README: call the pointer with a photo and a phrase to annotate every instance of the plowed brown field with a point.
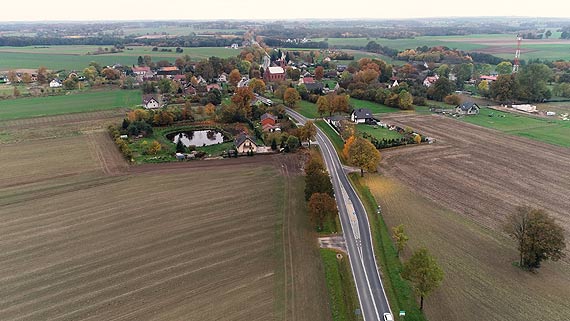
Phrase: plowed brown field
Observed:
(453, 196)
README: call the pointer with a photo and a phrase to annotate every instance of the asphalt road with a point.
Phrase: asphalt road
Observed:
(356, 230)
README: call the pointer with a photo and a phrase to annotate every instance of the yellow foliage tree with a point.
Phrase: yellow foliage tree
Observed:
(364, 155)
(347, 145)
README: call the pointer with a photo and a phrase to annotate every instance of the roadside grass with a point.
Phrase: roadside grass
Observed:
(337, 141)
(375, 108)
(340, 286)
(378, 132)
(400, 294)
(73, 103)
(553, 131)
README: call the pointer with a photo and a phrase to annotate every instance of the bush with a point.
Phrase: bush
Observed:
(452, 100)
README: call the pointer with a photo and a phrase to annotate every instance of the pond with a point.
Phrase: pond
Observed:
(197, 138)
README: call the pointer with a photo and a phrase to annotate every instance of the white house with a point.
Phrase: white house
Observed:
(361, 116)
(56, 83)
(149, 102)
(244, 143)
(467, 108)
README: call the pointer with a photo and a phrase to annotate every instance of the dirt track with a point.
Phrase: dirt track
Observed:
(479, 172)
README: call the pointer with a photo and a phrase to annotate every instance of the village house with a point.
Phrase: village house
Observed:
(150, 102)
(488, 78)
(56, 83)
(306, 80)
(244, 143)
(430, 80)
(223, 78)
(274, 74)
(467, 108)
(361, 116)
(168, 72)
(315, 87)
(213, 86)
(268, 119)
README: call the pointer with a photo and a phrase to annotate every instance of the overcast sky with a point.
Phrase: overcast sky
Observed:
(41, 10)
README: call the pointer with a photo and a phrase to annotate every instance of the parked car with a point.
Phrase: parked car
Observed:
(388, 317)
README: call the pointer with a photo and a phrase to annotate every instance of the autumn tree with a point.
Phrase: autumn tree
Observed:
(319, 72)
(345, 150)
(90, 73)
(257, 85)
(26, 78)
(441, 88)
(537, 235)
(323, 105)
(339, 103)
(308, 132)
(210, 109)
(322, 209)
(452, 99)
(280, 92)
(153, 148)
(242, 99)
(165, 85)
(42, 75)
(163, 118)
(291, 97)
(110, 74)
(363, 155)
(483, 88)
(12, 77)
(234, 77)
(400, 238)
(424, 274)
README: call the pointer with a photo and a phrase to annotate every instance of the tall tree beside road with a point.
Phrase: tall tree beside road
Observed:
(400, 237)
(257, 85)
(322, 208)
(317, 179)
(537, 235)
(308, 132)
(241, 100)
(291, 97)
(363, 155)
(323, 105)
(423, 272)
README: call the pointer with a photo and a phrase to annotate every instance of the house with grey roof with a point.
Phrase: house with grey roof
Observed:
(245, 143)
(467, 108)
(361, 116)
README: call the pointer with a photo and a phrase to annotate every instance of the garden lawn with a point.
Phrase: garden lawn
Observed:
(307, 109)
(375, 108)
(554, 132)
(217, 149)
(378, 132)
(75, 102)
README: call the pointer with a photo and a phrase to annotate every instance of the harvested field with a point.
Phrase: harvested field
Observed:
(83, 236)
(480, 282)
(482, 173)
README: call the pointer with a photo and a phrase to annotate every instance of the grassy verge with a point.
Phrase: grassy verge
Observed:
(340, 286)
(333, 136)
(399, 292)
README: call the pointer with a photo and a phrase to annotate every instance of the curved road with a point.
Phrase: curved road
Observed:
(356, 231)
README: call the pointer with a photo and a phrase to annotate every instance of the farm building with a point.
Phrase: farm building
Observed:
(488, 78)
(525, 107)
(150, 102)
(361, 116)
(168, 72)
(274, 74)
(430, 80)
(268, 119)
(56, 83)
(467, 108)
(244, 143)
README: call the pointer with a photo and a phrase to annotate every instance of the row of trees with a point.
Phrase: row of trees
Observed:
(319, 192)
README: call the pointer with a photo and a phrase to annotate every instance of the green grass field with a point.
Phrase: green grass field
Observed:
(378, 132)
(72, 103)
(554, 132)
(76, 58)
(307, 109)
(400, 44)
(375, 108)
